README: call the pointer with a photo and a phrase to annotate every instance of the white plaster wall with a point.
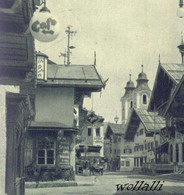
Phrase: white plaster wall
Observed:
(3, 139)
(55, 105)
(101, 137)
(140, 140)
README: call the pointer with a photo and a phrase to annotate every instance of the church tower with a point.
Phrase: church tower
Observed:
(142, 92)
(127, 100)
(135, 97)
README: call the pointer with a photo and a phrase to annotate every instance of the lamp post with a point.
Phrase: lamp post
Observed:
(180, 11)
(116, 118)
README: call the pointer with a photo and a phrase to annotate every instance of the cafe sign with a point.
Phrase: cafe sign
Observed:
(44, 26)
(41, 66)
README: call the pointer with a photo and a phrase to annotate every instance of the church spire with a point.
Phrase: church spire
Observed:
(130, 77)
(142, 78)
(181, 47)
(130, 85)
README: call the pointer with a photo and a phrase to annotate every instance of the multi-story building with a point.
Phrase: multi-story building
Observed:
(50, 143)
(114, 134)
(167, 100)
(16, 91)
(142, 131)
(134, 97)
(91, 147)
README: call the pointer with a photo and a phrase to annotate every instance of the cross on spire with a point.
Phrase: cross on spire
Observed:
(130, 76)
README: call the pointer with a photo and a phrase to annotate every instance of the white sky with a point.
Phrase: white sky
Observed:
(124, 33)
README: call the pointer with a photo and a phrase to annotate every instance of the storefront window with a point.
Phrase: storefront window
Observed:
(45, 153)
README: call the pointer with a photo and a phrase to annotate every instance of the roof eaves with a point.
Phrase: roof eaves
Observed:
(174, 95)
(154, 87)
(169, 75)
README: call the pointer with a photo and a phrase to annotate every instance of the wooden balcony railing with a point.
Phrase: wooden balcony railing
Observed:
(16, 50)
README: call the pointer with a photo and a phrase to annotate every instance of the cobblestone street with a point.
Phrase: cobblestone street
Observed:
(104, 185)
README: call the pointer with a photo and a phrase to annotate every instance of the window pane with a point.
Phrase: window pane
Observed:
(41, 161)
(50, 153)
(98, 132)
(50, 161)
(127, 163)
(41, 153)
(89, 131)
(144, 99)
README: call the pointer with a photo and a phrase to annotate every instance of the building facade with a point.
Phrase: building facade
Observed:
(142, 131)
(114, 141)
(167, 98)
(134, 97)
(50, 143)
(91, 147)
(16, 91)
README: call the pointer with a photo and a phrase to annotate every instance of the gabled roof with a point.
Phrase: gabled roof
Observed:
(163, 85)
(151, 121)
(174, 95)
(174, 71)
(73, 75)
(116, 128)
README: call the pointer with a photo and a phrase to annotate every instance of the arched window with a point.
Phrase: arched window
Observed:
(171, 153)
(177, 153)
(144, 99)
(131, 104)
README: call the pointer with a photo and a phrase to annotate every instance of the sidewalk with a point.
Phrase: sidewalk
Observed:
(50, 184)
(79, 181)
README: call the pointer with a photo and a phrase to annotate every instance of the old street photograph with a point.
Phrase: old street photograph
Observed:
(91, 97)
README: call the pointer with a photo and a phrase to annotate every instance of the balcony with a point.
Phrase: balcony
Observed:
(97, 139)
(16, 51)
(149, 167)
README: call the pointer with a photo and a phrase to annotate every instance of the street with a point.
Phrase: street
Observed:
(104, 185)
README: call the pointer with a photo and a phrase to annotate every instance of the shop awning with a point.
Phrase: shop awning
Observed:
(51, 126)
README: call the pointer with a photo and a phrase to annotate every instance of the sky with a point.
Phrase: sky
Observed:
(125, 34)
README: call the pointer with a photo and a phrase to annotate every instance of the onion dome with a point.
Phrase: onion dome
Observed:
(142, 76)
(142, 81)
(130, 84)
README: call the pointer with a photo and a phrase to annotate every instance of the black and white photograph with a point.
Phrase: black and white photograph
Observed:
(91, 97)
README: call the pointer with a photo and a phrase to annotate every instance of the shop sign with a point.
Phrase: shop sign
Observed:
(41, 71)
(44, 26)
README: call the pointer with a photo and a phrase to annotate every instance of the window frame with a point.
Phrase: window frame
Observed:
(127, 163)
(46, 154)
(144, 99)
(98, 134)
(89, 128)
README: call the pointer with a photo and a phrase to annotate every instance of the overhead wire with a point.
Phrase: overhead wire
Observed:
(55, 43)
